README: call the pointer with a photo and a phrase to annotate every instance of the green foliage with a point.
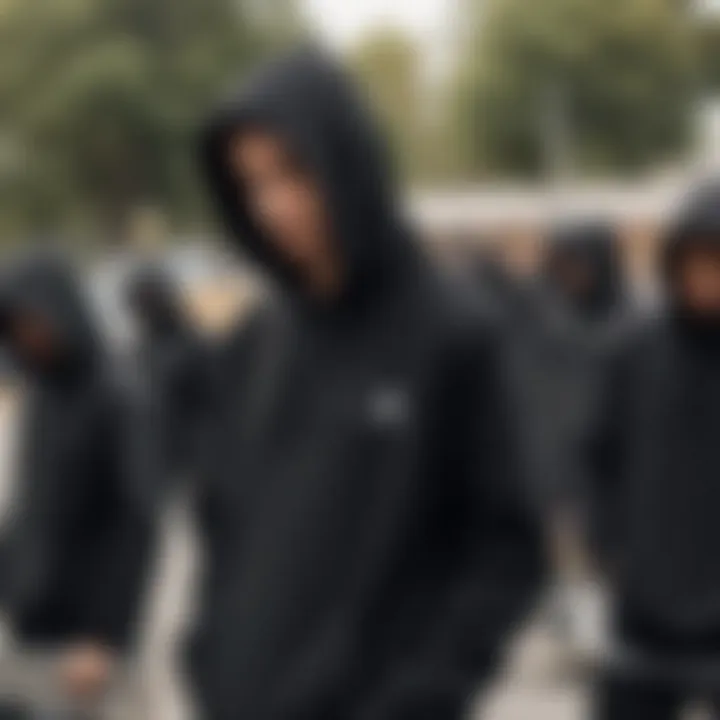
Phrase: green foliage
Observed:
(612, 81)
(708, 33)
(99, 102)
(387, 66)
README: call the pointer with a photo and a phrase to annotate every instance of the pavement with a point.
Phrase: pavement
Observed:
(541, 683)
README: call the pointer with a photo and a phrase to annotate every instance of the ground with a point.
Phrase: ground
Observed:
(540, 684)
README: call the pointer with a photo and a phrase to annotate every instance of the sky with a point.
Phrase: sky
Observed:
(343, 22)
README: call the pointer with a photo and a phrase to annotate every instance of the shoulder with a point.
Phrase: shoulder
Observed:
(469, 332)
(633, 350)
(249, 327)
(469, 324)
(268, 318)
(644, 333)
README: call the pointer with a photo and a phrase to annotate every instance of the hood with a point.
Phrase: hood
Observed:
(594, 244)
(48, 286)
(156, 303)
(697, 225)
(309, 102)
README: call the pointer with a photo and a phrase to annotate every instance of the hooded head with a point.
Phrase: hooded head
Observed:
(305, 102)
(44, 319)
(155, 303)
(583, 265)
(691, 259)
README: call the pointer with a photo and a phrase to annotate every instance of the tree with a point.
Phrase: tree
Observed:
(100, 100)
(609, 84)
(708, 33)
(387, 65)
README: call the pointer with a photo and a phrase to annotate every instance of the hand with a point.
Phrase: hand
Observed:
(86, 671)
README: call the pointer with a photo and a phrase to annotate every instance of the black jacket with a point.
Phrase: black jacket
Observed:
(70, 551)
(560, 355)
(657, 464)
(367, 549)
(173, 380)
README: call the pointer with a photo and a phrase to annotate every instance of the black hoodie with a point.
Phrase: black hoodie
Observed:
(71, 549)
(657, 461)
(560, 356)
(367, 551)
(174, 378)
(593, 246)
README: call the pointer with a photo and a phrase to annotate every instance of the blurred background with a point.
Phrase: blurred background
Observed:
(504, 116)
(503, 113)
(99, 100)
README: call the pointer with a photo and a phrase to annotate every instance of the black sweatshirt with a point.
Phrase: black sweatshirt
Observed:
(173, 382)
(657, 463)
(367, 551)
(560, 354)
(71, 552)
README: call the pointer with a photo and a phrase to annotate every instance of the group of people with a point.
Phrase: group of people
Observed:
(78, 523)
(372, 452)
(619, 422)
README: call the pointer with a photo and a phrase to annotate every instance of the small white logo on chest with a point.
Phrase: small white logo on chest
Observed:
(388, 406)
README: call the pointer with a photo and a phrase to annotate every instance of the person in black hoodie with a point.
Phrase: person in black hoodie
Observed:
(174, 377)
(72, 546)
(367, 551)
(577, 311)
(655, 456)
(587, 313)
(582, 267)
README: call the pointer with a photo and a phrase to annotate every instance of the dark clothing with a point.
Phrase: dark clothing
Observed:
(590, 248)
(496, 286)
(657, 464)
(13, 712)
(70, 550)
(559, 354)
(367, 551)
(623, 698)
(173, 382)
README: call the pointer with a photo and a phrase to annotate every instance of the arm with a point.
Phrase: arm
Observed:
(194, 400)
(606, 456)
(120, 529)
(116, 591)
(496, 581)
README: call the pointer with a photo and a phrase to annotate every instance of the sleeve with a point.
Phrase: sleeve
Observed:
(17, 524)
(126, 543)
(195, 396)
(502, 558)
(227, 368)
(606, 455)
